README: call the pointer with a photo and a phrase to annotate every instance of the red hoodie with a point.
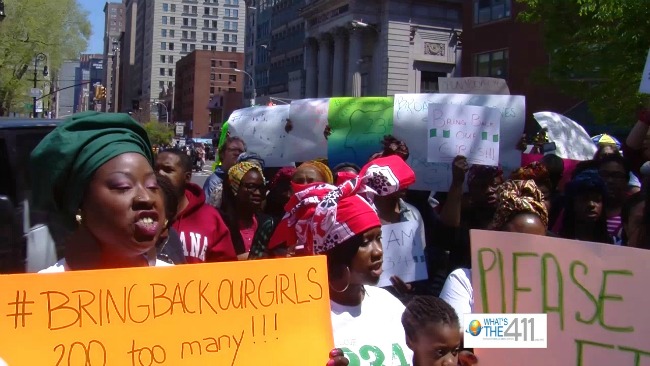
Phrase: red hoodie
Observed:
(202, 230)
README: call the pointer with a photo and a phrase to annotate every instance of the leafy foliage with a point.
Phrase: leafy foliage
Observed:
(58, 28)
(597, 49)
(159, 133)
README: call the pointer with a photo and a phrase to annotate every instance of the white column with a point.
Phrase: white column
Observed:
(338, 76)
(311, 68)
(354, 55)
(378, 72)
(324, 66)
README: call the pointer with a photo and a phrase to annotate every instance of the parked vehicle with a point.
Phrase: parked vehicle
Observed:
(21, 228)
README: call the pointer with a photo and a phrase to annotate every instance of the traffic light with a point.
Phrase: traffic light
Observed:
(100, 92)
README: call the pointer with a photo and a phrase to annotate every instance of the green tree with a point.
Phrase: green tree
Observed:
(58, 28)
(159, 133)
(597, 50)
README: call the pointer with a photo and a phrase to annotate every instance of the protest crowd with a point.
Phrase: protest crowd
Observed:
(123, 206)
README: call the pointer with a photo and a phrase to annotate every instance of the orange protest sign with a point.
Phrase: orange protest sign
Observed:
(269, 312)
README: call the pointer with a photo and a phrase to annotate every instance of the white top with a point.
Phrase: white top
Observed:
(372, 331)
(61, 266)
(457, 292)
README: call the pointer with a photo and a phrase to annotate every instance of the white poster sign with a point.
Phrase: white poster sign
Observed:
(464, 130)
(410, 123)
(263, 130)
(645, 78)
(473, 85)
(306, 140)
(571, 139)
(403, 253)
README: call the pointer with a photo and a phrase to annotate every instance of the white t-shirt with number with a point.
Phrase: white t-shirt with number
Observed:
(372, 333)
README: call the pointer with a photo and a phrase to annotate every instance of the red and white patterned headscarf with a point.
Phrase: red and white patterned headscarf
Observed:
(321, 216)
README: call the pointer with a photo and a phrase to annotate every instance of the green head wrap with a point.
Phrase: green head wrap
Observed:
(64, 162)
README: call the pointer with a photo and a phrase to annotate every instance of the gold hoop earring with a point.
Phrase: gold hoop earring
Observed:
(346, 286)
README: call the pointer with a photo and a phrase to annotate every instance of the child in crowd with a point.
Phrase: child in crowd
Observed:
(431, 326)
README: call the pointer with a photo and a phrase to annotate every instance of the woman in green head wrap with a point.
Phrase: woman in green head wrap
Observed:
(94, 174)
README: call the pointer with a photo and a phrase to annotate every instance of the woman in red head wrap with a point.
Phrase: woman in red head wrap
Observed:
(341, 222)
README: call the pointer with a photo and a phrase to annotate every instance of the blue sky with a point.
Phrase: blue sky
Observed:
(96, 17)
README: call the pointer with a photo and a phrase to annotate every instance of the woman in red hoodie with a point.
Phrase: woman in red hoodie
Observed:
(204, 235)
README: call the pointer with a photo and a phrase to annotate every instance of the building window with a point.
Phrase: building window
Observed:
(225, 49)
(232, 90)
(192, 35)
(194, 23)
(186, 22)
(233, 38)
(162, 71)
(184, 47)
(232, 77)
(232, 13)
(213, 63)
(206, 24)
(233, 49)
(172, 20)
(173, 7)
(184, 34)
(226, 38)
(171, 33)
(186, 9)
(215, 11)
(212, 90)
(492, 64)
(429, 81)
(165, 7)
(163, 59)
(194, 10)
(171, 59)
(214, 37)
(192, 47)
(170, 84)
(234, 26)
(163, 45)
(170, 72)
(211, 76)
(206, 11)
(226, 25)
(205, 47)
(171, 46)
(161, 84)
(206, 36)
(213, 48)
(214, 24)
(164, 20)
(491, 10)
(233, 64)
(163, 32)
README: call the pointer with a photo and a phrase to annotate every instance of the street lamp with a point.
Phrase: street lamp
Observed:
(254, 88)
(39, 57)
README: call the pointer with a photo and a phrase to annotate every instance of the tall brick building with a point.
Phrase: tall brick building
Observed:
(207, 89)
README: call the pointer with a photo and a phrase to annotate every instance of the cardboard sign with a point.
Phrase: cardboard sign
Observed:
(473, 85)
(403, 253)
(358, 127)
(263, 130)
(241, 313)
(645, 78)
(306, 141)
(571, 139)
(464, 130)
(410, 118)
(594, 295)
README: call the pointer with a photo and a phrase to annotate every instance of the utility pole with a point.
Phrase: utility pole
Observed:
(43, 58)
